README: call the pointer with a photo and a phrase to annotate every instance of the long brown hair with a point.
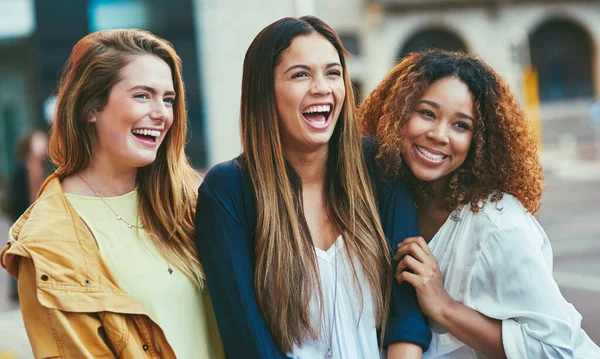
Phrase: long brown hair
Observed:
(167, 187)
(286, 273)
(503, 157)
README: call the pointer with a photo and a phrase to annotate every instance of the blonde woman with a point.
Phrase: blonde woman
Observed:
(105, 258)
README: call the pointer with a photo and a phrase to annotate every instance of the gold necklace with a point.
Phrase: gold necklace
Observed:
(117, 216)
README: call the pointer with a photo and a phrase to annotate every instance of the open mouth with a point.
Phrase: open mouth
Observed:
(145, 135)
(317, 116)
(431, 157)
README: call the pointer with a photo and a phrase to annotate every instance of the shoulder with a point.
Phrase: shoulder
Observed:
(48, 217)
(224, 176)
(227, 184)
(506, 225)
(226, 201)
(505, 214)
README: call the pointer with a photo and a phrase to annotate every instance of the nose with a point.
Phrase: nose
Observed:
(159, 112)
(320, 86)
(439, 133)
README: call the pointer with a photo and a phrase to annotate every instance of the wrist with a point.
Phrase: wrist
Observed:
(445, 311)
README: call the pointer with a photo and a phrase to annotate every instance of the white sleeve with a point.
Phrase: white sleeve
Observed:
(512, 282)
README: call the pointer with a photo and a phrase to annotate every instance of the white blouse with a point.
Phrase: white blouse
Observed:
(499, 262)
(354, 331)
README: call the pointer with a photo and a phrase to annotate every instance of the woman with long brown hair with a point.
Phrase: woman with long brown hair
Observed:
(482, 267)
(296, 257)
(105, 258)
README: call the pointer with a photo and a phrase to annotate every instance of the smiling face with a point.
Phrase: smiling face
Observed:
(440, 130)
(137, 116)
(309, 92)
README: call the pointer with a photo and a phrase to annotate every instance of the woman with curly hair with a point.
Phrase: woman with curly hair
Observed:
(482, 267)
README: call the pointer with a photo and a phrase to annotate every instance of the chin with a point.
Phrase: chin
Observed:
(144, 161)
(322, 138)
(312, 141)
(426, 176)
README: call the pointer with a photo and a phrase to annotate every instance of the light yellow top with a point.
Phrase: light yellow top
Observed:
(184, 312)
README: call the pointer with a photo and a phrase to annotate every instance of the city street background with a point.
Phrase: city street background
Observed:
(548, 52)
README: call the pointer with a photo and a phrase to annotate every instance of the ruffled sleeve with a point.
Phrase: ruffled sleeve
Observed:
(512, 281)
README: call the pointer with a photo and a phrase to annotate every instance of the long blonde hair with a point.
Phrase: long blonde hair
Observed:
(286, 271)
(167, 187)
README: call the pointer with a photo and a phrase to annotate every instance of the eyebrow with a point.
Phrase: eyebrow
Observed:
(305, 67)
(152, 90)
(430, 103)
(459, 114)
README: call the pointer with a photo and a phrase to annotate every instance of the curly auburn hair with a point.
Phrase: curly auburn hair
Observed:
(503, 157)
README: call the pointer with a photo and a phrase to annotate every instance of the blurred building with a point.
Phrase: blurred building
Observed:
(36, 38)
(547, 50)
(554, 42)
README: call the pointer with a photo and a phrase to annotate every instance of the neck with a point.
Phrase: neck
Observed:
(310, 166)
(440, 189)
(108, 179)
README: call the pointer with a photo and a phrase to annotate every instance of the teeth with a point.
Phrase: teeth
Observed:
(146, 132)
(430, 155)
(313, 109)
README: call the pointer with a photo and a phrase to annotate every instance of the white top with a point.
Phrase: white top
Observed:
(499, 262)
(184, 312)
(354, 333)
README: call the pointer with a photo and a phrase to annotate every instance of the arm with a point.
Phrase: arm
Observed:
(469, 326)
(403, 350)
(517, 309)
(513, 282)
(481, 333)
(226, 253)
(54, 333)
(407, 332)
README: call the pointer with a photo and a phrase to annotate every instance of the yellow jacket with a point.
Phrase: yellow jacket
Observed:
(71, 303)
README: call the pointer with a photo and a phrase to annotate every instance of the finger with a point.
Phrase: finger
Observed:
(419, 240)
(407, 277)
(413, 249)
(407, 240)
(424, 246)
(409, 262)
(404, 248)
(400, 267)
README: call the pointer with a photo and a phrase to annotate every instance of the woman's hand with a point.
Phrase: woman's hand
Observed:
(424, 275)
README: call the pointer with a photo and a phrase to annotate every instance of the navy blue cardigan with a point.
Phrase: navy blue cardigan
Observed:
(225, 225)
